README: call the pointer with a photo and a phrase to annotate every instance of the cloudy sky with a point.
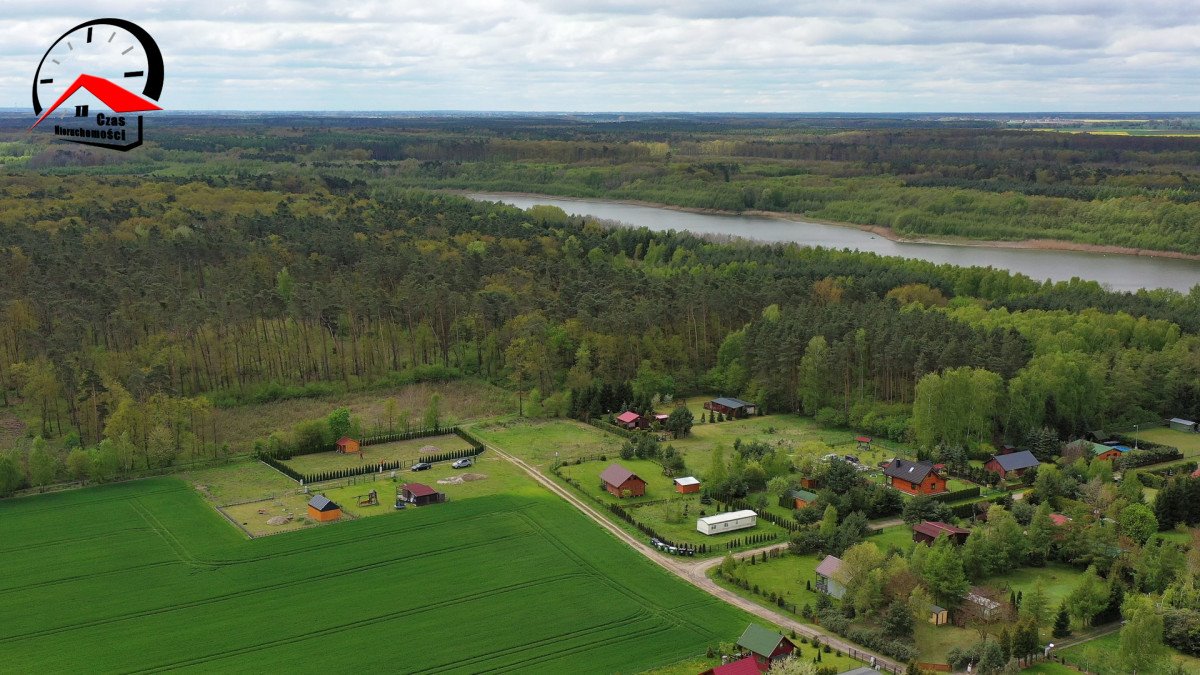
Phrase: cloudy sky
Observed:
(631, 55)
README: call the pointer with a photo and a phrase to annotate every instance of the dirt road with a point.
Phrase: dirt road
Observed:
(695, 571)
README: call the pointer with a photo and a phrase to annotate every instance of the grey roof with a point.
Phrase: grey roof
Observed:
(913, 472)
(732, 402)
(322, 503)
(1180, 420)
(616, 474)
(864, 670)
(829, 566)
(1015, 461)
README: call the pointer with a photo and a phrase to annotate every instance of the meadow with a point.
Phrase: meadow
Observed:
(408, 451)
(1187, 442)
(1096, 656)
(144, 576)
(543, 442)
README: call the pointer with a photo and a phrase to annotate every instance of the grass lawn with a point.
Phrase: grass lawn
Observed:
(1058, 580)
(1100, 656)
(898, 537)
(1184, 538)
(1187, 442)
(539, 442)
(408, 451)
(788, 575)
(240, 481)
(934, 642)
(658, 486)
(152, 560)
(461, 400)
(1050, 668)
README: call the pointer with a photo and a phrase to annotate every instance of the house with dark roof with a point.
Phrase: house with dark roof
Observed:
(322, 510)
(631, 420)
(928, 531)
(765, 646)
(621, 482)
(419, 494)
(827, 582)
(915, 478)
(1011, 465)
(731, 407)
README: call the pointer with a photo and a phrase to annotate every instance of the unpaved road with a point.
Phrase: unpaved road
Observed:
(694, 571)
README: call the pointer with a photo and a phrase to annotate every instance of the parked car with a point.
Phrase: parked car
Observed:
(853, 459)
(462, 463)
(421, 466)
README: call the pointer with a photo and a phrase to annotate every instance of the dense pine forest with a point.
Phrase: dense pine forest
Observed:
(247, 263)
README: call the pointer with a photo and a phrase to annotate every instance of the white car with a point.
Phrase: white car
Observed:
(462, 463)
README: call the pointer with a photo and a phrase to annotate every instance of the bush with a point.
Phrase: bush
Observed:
(873, 638)
(833, 619)
(829, 417)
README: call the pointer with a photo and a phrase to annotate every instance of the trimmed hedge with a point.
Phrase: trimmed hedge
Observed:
(476, 449)
(956, 495)
(288, 453)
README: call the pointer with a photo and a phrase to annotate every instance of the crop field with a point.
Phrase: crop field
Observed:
(408, 451)
(145, 576)
(540, 442)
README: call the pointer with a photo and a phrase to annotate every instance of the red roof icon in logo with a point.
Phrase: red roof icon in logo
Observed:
(118, 99)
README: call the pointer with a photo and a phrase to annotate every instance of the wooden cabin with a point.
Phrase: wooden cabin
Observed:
(731, 407)
(322, 510)
(915, 478)
(766, 646)
(1011, 465)
(927, 532)
(621, 482)
(347, 445)
(631, 420)
(687, 485)
(419, 494)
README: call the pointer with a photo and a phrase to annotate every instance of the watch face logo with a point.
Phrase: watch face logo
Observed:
(99, 77)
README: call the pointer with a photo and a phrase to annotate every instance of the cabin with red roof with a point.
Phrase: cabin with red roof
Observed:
(347, 445)
(631, 420)
(746, 666)
(419, 494)
(915, 478)
(621, 482)
(928, 531)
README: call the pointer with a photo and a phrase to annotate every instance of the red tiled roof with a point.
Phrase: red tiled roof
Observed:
(616, 475)
(863, 439)
(746, 666)
(628, 416)
(934, 528)
(1059, 519)
(419, 489)
(1196, 473)
(344, 440)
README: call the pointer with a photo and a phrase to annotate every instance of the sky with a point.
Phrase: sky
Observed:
(634, 56)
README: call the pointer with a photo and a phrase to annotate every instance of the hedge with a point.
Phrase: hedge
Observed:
(288, 453)
(956, 495)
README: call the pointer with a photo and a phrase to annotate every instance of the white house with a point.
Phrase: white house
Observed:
(726, 522)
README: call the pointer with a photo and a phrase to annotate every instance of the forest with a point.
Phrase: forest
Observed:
(244, 263)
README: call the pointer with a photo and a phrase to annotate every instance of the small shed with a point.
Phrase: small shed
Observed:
(661, 419)
(928, 531)
(621, 482)
(347, 445)
(938, 616)
(630, 420)
(731, 407)
(1011, 465)
(726, 522)
(827, 572)
(810, 483)
(419, 494)
(1104, 452)
(1180, 424)
(322, 510)
(801, 498)
(687, 485)
(766, 646)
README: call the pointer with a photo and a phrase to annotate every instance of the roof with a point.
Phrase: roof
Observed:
(1118, 446)
(1180, 420)
(1015, 461)
(803, 494)
(829, 566)
(322, 503)
(746, 666)
(687, 480)
(662, 417)
(628, 416)
(863, 670)
(1059, 519)
(726, 517)
(419, 489)
(863, 439)
(986, 603)
(1196, 473)
(935, 528)
(118, 99)
(616, 475)
(936, 610)
(913, 472)
(732, 402)
(760, 640)
(345, 440)
(1098, 449)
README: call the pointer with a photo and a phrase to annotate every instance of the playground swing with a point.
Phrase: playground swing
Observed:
(369, 499)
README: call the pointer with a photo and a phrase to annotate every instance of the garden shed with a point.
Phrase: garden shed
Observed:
(347, 445)
(938, 616)
(800, 499)
(1180, 424)
(826, 581)
(631, 420)
(687, 485)
(419, 494)
(727, 522)
(731, 407)
(322, 510)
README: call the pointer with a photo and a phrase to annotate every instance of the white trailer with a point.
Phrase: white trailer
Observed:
(726, 522)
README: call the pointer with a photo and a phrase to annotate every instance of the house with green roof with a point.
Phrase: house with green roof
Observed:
(797, 499)
(766, 646)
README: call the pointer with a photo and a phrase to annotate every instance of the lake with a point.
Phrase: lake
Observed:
(1118, 272)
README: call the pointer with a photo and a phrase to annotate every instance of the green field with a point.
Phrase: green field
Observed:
(1187, 442)
(144, 576)
(1098, 656)
(407, 451)
(542, 442)
(1058, 580)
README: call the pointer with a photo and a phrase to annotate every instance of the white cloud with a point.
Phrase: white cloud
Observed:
(769, 55)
